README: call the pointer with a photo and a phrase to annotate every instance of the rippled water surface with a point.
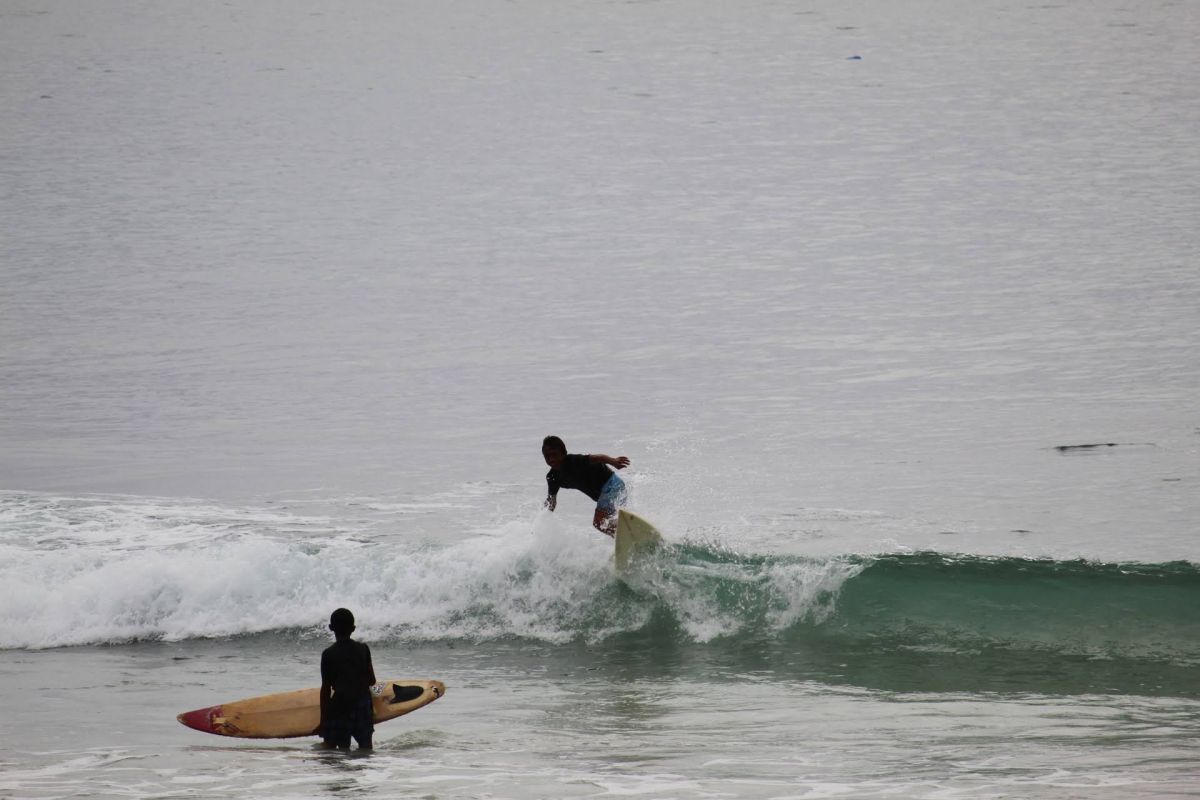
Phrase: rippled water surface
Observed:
(894, 309)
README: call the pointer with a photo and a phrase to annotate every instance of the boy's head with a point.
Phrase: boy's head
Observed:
(554, 451)
(341, 622)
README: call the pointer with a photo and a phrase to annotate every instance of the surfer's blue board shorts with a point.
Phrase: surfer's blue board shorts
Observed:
(612, 496)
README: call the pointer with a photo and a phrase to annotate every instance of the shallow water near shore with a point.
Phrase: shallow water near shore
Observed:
(894, 309)
(524, 720)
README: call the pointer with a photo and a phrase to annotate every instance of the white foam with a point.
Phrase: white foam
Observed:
(97, 570)
(117, 569)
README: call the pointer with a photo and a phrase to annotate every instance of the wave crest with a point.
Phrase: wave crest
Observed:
(88, 572)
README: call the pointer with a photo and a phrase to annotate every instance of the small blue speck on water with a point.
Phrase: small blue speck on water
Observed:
(854, 58)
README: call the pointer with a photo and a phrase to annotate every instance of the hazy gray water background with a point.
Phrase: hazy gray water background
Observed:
(355, 261)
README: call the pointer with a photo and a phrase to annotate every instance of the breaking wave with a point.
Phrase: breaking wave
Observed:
(103, 570)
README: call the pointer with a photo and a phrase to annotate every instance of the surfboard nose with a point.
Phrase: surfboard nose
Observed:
(201, 719)
(438, 687)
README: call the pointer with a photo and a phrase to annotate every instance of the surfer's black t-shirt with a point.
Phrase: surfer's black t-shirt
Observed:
(346, 665)
(579, 472)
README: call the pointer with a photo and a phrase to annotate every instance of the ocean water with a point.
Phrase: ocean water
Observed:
(895, 309)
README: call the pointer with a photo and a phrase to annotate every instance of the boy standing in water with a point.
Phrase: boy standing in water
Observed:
(589, 474)
(347, 676)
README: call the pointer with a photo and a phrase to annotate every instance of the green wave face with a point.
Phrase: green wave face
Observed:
(1143, 611)
(914, 622)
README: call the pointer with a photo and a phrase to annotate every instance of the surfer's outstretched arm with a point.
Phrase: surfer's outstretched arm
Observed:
(620, 462)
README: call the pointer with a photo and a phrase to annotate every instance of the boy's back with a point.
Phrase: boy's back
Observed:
(346, 666)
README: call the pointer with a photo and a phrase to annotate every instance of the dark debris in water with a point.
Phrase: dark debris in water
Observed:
(1071, 448)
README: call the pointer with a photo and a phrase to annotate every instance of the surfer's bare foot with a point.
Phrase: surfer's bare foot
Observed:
(605, 523)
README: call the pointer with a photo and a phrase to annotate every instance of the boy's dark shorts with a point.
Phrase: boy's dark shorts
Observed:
(358, 721)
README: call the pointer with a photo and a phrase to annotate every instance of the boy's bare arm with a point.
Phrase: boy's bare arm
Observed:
(620, 462)
(326, 694)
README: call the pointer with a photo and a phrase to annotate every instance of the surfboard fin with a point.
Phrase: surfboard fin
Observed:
(402, 694)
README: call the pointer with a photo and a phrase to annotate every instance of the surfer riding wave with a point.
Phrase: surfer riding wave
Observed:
(590, 474)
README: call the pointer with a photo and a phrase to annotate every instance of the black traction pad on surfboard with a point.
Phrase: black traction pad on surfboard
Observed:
(405, 693)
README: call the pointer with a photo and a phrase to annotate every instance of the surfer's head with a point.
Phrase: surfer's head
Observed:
(554, 451)
(341, 622)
